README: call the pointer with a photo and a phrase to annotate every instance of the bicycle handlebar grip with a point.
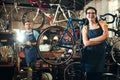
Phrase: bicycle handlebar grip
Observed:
(103, 17)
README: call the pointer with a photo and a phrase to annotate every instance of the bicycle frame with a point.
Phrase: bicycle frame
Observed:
(55, 14)
(70, 25)
(50, 18)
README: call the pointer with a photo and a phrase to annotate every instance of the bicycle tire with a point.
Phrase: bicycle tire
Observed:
(69, 71)
(30, 15)
(115, 52)
(50, 49)
(60, 17)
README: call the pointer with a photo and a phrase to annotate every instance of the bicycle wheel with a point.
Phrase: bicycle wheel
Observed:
(55, 47)
(73, 71)
(61, 17)
(115, 52)
(37, 18)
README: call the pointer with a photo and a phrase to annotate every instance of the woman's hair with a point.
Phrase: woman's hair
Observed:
(86, 21)
(91, 8)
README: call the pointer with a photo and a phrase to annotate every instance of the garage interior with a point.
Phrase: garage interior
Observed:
(13, 13)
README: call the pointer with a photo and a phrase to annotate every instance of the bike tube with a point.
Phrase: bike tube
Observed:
(61, 17)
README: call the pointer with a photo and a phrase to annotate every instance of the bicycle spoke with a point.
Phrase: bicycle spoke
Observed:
(54, 48)
(73, 71)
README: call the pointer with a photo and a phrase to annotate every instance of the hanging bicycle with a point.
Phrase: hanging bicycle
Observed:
(57, 45)
(56, 15)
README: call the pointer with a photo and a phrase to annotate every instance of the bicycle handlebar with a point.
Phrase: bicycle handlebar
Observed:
(103, 17)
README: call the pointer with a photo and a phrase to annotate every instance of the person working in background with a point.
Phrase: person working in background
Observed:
(94, 34)
(30, 48)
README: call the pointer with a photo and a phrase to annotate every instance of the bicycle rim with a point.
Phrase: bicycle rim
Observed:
(73, 71)
(51, 49)
(115, 52)
(61, 17)
(38, 21)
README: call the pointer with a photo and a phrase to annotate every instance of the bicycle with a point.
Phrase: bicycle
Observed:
(113, 42)
(57, 14)
(116, 32)
(5, 17)
(107, 17)
(57, 45)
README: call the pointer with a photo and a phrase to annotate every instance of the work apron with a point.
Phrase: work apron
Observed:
(30, 51)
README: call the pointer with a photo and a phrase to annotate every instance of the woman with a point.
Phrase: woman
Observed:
(94, 34)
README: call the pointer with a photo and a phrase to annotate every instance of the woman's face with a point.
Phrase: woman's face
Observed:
(91, 15)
